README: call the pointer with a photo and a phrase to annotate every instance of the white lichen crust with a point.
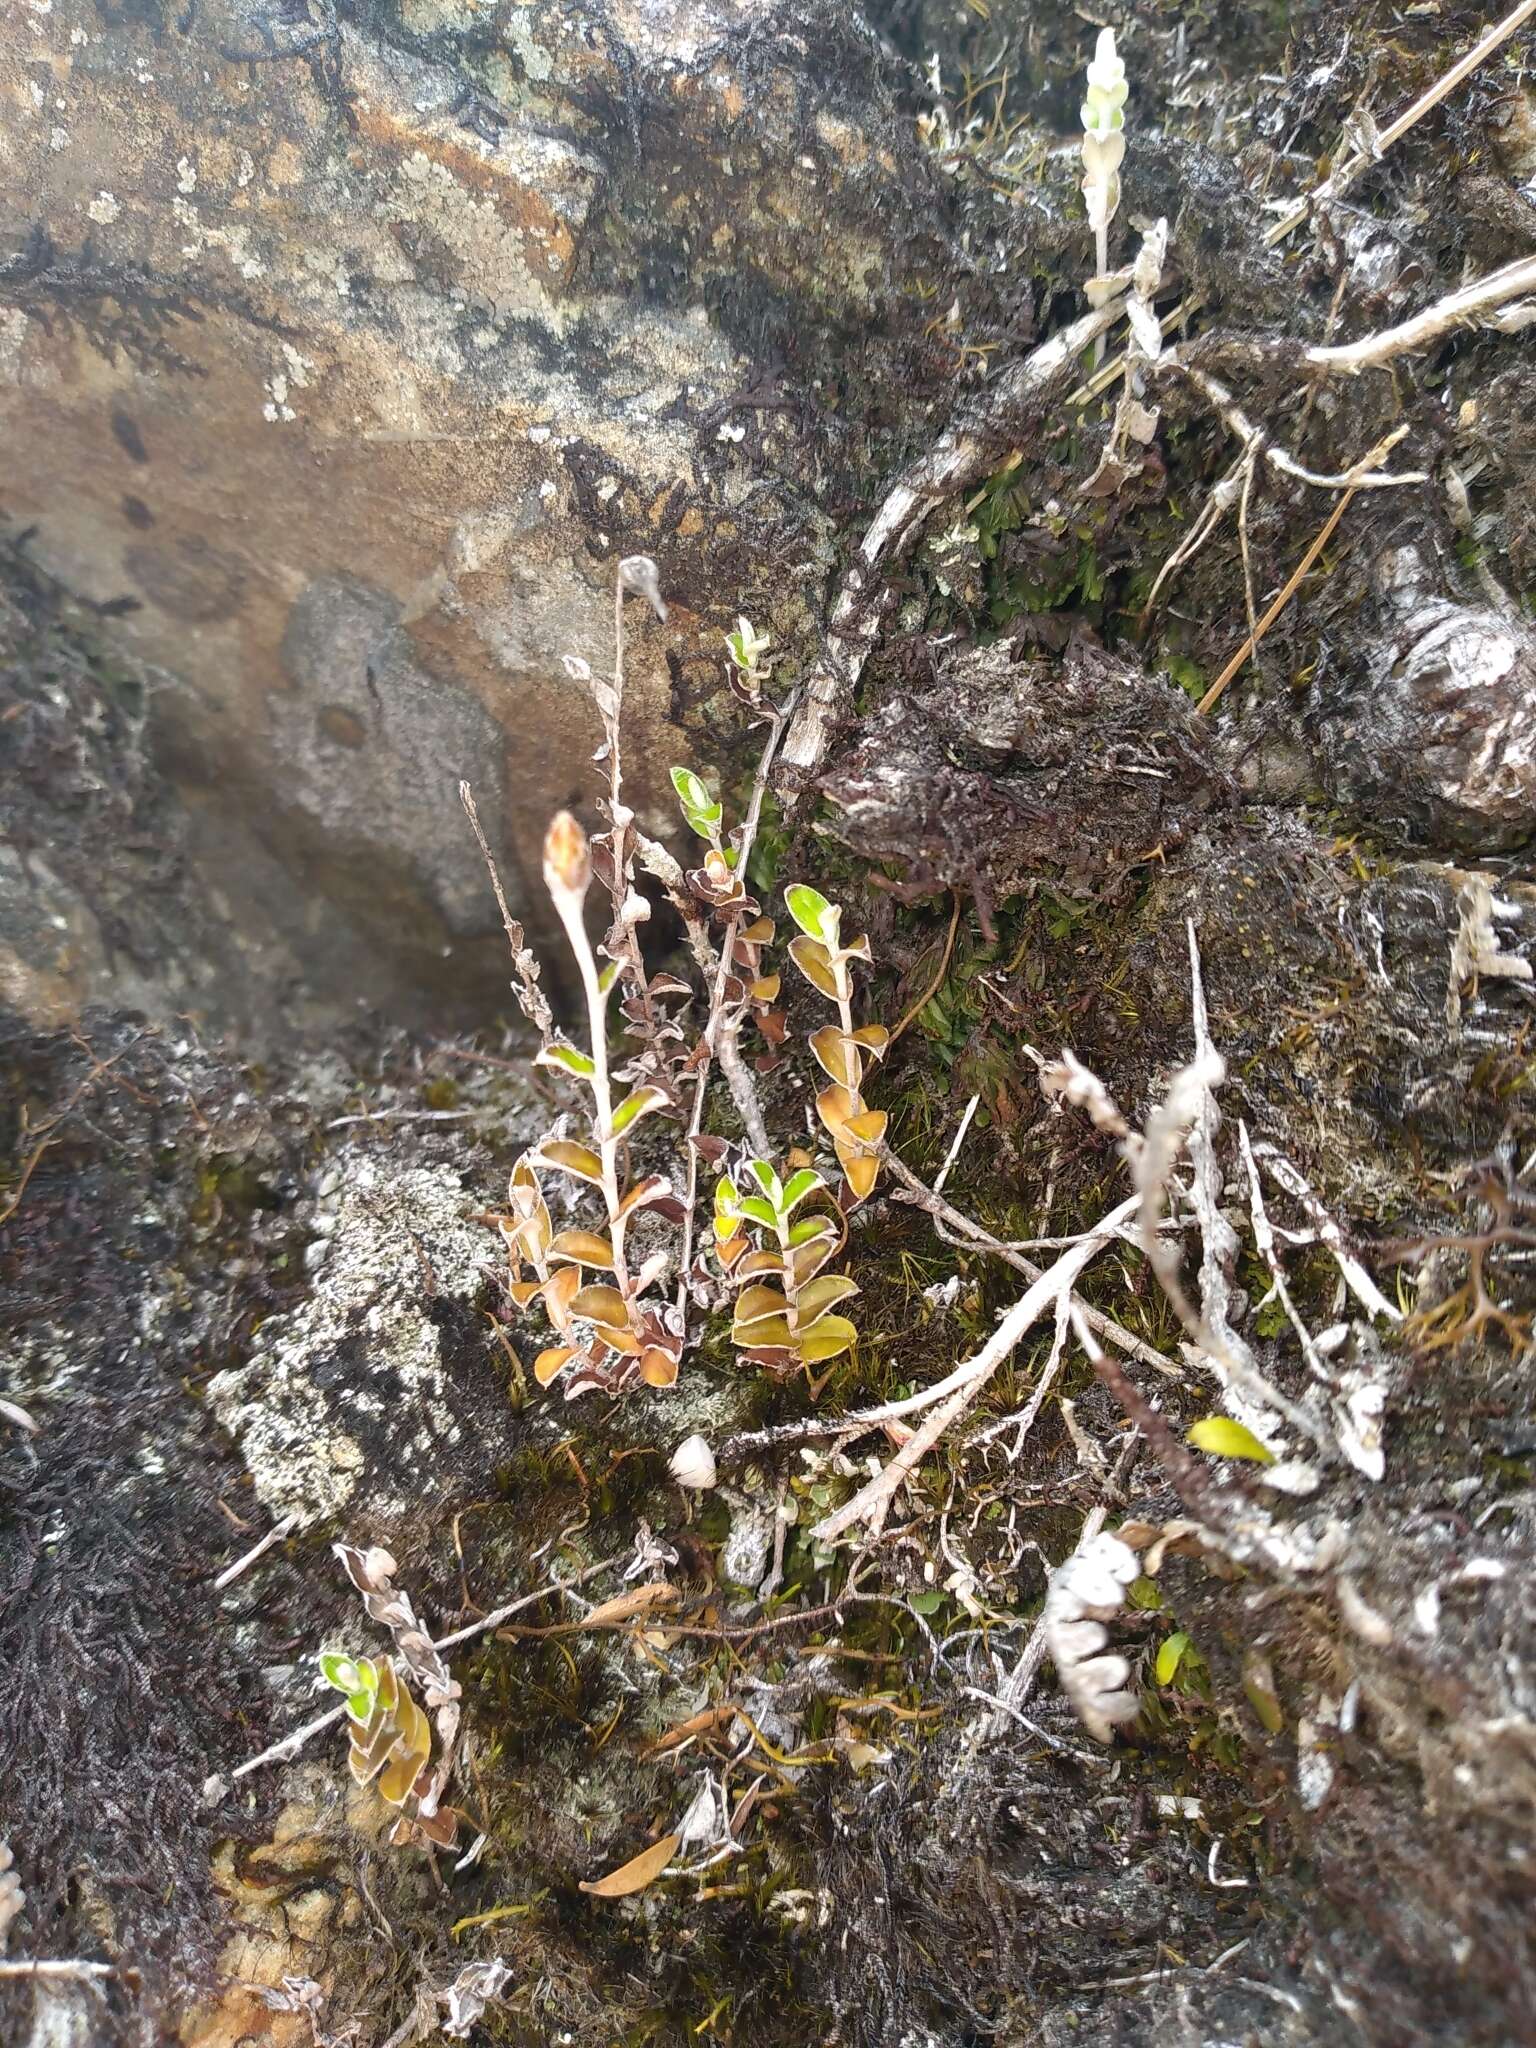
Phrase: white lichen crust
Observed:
(346, 1397)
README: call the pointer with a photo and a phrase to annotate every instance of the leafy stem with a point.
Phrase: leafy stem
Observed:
(567, 875)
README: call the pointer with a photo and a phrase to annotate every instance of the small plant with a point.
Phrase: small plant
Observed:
(391, 1734)
(391, 1742)
(1103, 150)
(784, 1315)
(841, 1050)
(610, 1323)
(720, 888)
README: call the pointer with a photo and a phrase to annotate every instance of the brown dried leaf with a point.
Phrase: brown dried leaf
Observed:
(658, 1368)
(705, 1722)
(570, 1157)
(637, 1873)
(552, 1362)
(603, 1305)
(584, 1247)
(646, 1599)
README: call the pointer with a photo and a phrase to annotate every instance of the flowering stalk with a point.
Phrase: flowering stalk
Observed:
(626, 1329)
(1103, 114)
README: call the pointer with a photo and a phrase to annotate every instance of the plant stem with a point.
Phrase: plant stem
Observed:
(1101, 262)
(620, 819)
(716, 1026)
(569, 907)
(791, 1292)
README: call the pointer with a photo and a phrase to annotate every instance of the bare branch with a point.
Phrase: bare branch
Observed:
(872, 1502)
(972, 1237)
(530, 997)
(1256, 440)
(1466, 307)
(960, 457)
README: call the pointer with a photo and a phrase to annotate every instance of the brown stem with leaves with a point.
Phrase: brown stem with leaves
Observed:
(720, 1032)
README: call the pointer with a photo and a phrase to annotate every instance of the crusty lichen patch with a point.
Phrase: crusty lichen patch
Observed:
(350, 1390)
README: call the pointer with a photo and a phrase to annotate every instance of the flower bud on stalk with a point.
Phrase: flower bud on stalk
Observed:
(567, 862)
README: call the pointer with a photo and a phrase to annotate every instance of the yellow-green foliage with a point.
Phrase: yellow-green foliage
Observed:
(786, 1300)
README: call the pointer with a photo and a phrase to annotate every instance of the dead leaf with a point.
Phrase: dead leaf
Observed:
(637, 1873)
(703, 1723)
(638, 1600)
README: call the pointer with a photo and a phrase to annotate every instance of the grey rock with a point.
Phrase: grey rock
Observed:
(349, 1402)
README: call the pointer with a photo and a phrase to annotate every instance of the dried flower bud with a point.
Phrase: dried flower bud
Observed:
(693, 1464)
(567, 863)
(639, 574)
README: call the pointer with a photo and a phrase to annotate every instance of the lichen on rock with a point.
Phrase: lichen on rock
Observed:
(349, 1400)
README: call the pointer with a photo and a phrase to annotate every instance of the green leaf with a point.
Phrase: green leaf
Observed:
(567, 1056)
(607, 977)
(1224, 1438)
(357, 1677)
(816, 917)
(691, 791)
(767, 1180)
(339, 1670)
(702, 812)
(800, 1184)
(1169, 1654)
(759, 1211)
(640, 1102)
(746, 645)
(926, 1603)
(809, 1227)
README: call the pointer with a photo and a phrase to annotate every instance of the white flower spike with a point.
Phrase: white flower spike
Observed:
(1103, 144)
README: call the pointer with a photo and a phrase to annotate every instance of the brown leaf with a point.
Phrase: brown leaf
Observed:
(644, 1599)
(836, 1055)
(570, 1158)
(584, 1246)
(601, 1305)
(637, 1873)
(553, 1361)
(658, 1368)
(705, 1722)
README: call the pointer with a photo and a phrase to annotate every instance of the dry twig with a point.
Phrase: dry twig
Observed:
(872, 1502)
(231, 1572)
(1218, 689)
(1466, 307)
(960, 457)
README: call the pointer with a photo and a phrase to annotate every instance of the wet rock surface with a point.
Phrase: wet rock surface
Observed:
(342, 360)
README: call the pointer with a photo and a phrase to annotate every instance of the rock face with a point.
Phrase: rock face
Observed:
(349, 1405)
(342, 354)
